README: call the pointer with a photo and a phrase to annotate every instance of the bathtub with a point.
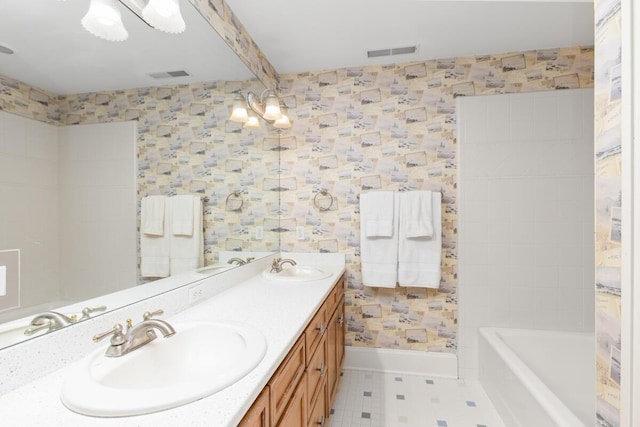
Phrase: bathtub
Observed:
(539, 378)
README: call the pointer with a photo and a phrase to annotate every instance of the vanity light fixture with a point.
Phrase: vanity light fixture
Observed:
(103, 18)
(268, 107)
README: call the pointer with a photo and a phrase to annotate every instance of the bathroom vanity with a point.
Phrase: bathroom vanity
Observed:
(293, 385)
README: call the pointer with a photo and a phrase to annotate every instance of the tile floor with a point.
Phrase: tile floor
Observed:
(399, 400)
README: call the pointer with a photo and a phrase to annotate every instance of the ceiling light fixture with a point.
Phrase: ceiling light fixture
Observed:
(103, 18)
(268, 107)
(164, 15)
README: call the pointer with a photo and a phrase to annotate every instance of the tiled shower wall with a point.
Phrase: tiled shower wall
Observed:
(29, 203)
(394, 128)
(525, 226)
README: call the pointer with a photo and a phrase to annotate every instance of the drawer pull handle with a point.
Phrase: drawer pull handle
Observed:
(322, 369)
(321, 422)
(320, 328)
(341, 319)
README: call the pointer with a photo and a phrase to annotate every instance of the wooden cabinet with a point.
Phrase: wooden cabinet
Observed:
(258, 414)
(286, 379)
(301, 391)
(295, 413)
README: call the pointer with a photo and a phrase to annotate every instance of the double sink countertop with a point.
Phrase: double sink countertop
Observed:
(280, 311)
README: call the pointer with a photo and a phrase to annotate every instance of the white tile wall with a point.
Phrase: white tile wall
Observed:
(98, 209)
(526, 248)
(70, 189)
(29, 178)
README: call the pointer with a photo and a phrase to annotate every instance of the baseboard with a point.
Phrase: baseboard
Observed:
(444, 365)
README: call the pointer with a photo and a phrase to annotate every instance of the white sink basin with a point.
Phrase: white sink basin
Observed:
(296, 273)
(200, 359)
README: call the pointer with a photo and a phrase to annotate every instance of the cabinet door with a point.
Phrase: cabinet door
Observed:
(340, 333)
(333, 370)
(258, 414)
(295, 414)
(285, 380)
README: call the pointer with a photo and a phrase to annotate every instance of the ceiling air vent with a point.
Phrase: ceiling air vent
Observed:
(395, 51)
(169, 74)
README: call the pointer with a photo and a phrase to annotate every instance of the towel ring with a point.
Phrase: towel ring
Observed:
(316, 201)
(234, 196)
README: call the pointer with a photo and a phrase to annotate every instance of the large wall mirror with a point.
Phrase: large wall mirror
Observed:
(89, 127)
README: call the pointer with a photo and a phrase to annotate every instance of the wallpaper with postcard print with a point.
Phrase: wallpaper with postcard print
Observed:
(393, 128)
(186, 145)
(608, 147)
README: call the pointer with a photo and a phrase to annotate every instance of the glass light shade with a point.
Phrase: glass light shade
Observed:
(103, 20)
(283, 122)
(164, 15)
(252, 122)
(272, 107)
(239, 112)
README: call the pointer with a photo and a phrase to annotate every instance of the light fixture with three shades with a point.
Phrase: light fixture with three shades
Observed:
(267, 106)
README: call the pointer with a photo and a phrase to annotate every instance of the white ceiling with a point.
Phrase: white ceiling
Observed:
(54, 52)
(307, 35)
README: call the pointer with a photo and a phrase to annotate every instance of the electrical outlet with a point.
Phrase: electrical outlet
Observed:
(259, 232)
(300, 232)
(196, 293)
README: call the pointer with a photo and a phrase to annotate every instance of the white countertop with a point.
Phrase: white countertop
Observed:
(279, 310)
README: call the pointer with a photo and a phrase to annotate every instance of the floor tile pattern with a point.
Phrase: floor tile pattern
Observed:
(376, 399)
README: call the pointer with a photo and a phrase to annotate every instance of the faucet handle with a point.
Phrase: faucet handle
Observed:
(86, 312)
(118, 337)
(148, 315)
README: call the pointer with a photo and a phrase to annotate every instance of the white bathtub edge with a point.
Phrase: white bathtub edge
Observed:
(543, 395)
(442, 365)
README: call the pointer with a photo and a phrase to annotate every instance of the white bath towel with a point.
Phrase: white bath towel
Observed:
(155, 250)
(182, 215)
(416, 210)
(378, 206)
(152, 215)
(187, 252)
(419, 257)
(379, 254)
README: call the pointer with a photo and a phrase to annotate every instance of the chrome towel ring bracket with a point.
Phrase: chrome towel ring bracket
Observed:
(234, 201)
(325, 202)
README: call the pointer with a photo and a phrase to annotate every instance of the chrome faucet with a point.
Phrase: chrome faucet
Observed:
(135, 336)
(240, 261)
(276, 265)
(50, 320)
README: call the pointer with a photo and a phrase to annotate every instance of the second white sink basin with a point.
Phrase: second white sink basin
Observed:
(296, 273)
(200, 359)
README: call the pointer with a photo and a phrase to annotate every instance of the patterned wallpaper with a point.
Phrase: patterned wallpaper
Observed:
(608, 91)
(393, 127)
(186, 145)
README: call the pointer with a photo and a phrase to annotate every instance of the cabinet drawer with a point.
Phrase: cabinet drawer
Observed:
(315, 330)
(295, 413)
(283, 383)
(317, 369)
(334, 297)
(317, 410)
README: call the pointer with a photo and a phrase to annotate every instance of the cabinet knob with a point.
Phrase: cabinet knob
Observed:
(322, 369)
(320, 328)
(341, 319)
(321, 422)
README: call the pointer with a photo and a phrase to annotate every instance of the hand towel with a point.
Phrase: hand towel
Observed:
(379, 208)
(187, 252)
(155, 250)
(182, 215)
(379, 254)
(152, 215)
(417, 211)
(419, 257)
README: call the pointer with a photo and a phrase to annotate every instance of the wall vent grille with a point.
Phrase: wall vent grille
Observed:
(169, 74)
(393, 51)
